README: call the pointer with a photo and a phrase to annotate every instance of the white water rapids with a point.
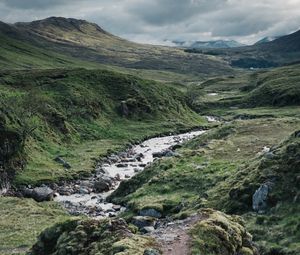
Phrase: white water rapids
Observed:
(124, 168)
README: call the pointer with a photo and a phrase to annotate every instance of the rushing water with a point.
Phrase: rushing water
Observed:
(126, 166)
(4, 184)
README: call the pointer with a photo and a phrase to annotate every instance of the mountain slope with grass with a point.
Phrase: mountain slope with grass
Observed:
(223, 169)
(250, 94)
(65, 39)
(65, 112)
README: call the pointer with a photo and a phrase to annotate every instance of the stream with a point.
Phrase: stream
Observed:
(88, 196)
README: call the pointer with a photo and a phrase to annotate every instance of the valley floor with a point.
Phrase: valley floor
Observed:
(196, 194)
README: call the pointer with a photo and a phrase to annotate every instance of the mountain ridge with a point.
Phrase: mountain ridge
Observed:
(209, 44)
(282, 51)
(87, 41)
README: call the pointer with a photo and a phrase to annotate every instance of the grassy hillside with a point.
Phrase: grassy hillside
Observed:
(86, 41)
(250, 94)
(80, 114)
(218, 171)
(279, 87)
(223, 168)
(16, 53)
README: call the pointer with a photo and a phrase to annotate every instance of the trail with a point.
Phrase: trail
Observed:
(173, 237)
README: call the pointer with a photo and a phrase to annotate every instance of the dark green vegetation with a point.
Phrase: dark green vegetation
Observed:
(282, 51)
(90, 237)
(80, 114)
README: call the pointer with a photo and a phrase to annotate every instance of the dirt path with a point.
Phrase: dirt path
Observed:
(173, 237)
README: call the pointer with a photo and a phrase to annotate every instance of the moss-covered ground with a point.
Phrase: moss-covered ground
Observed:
(22, 220)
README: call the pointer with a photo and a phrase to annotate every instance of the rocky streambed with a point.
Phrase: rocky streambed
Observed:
(88, 196)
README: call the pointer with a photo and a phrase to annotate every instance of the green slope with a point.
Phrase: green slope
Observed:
(17, 53)
(88, 42)
(77, 114)
(224, 167)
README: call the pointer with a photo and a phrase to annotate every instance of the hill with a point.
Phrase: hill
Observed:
(282, 51)
(267, 39)
(278, 87)
(54, 112)
(68, 39)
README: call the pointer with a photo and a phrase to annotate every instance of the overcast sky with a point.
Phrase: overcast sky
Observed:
(154, 21)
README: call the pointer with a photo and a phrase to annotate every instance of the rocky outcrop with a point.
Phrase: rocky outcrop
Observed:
(166, 153)
(150, 212)
(103, 183)
(39, 194)
(90, 237)
(222, 234)
(134, 106)
(61, 161)
(260, 197)
(11, 158)
(271, 178)
(143, 221)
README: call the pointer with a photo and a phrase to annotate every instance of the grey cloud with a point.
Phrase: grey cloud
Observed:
(161, 12)
(35, 4)
(156, 20)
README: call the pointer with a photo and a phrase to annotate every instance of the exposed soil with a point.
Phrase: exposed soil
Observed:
(174, 238)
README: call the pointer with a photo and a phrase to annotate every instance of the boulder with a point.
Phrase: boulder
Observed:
(62, 162)
(27, 192)
(103, 183)
(150, 212)
(139, 157)
(122, 165)
(100, 186)
(83, 191)
(124, 109)
(118, 177)
(259, 199)
(149, 229)
(151, 252)
(269, 155)
(117, 207)
(166, 153)
(41, 194)
(101, 170)
(143, 221)
(158, 154)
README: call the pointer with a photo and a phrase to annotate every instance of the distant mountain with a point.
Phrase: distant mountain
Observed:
(208, 44)
(267, 39)
(282, 51)
(65, 38)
